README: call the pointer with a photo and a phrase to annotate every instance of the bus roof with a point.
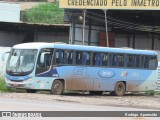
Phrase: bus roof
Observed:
(39, 45)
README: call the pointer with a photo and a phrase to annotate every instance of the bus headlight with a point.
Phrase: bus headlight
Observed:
(8, 80)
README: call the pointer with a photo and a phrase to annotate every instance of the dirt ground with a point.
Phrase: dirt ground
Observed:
(136, 100)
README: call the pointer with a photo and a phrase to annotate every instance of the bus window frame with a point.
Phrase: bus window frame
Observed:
(118, 62)
(111, 65)
(64, 62)
(81, 60)
(91, 57)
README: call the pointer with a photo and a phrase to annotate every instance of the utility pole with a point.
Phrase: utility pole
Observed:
(84, 20)
(105, 12)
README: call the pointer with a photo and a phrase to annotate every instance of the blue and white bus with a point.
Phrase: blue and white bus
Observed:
(61, 67)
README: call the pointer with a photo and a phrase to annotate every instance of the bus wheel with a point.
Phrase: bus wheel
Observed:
(119, 89)
(96, 92)
(57, 87)
(31, 91)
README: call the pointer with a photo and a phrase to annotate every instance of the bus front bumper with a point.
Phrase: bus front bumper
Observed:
(23, 84)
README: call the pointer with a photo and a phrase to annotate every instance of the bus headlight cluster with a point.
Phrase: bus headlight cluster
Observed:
(8, 80)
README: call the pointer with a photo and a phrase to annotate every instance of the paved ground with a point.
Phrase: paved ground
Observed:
(7, 104)
(134, 101)
(78, 102)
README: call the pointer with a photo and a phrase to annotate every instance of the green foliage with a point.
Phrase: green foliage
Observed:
(3, 87)
(49, 13)
(150, 93)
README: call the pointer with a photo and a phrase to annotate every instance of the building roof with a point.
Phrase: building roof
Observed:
(21, 26)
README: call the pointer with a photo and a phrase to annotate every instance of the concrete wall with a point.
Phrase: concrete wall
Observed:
(141, 41)
(8, 39)
(52, 37)
(3, 63)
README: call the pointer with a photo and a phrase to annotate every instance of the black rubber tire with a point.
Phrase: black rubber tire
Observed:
(119, 89)
(31, 91)
(96, 92)
(57, 87)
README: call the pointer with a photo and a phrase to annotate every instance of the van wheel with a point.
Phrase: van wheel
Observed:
(96, 92)
(119, 89)
(31, 91)
(57, 87)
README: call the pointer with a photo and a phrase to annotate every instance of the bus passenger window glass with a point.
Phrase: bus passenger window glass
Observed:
(113, 59)
(69, 57)
(145, 61)
(98, 59)
(85, 58)
(105, 60)
(137, 61)
(153, 62)
(63, 57)
(129, 60)
(78, 57)
(120, 60)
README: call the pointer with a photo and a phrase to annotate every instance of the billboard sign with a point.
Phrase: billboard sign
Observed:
(111, 4)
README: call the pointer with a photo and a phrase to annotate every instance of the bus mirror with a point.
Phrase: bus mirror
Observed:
(5, 55)
(42, 58)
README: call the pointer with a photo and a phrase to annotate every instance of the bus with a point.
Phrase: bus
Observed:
(59, 68)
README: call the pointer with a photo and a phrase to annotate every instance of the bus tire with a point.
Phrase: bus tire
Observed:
(57, 87)
(96, 92)
(31, 91)
(119, 89)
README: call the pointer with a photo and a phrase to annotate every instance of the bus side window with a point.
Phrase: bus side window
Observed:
(120, 60)
(64, 57)
(137, 61)
(59, 56)
(113, 59)
(145, 62)
(130, 61)
(78, 57)
(153, 62)
(69, 57)
(110, 59)
(86, 58)
(98, 59)
(105, 60)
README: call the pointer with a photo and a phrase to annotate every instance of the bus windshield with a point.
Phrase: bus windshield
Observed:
(21, 61)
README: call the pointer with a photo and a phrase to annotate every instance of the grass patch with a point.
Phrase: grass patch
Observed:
(49, 13)
(150, 93)
(3, 87)
(157, 92)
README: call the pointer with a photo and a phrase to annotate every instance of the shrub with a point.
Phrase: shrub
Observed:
(150, 93)
(3, 87)
(49, 13)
